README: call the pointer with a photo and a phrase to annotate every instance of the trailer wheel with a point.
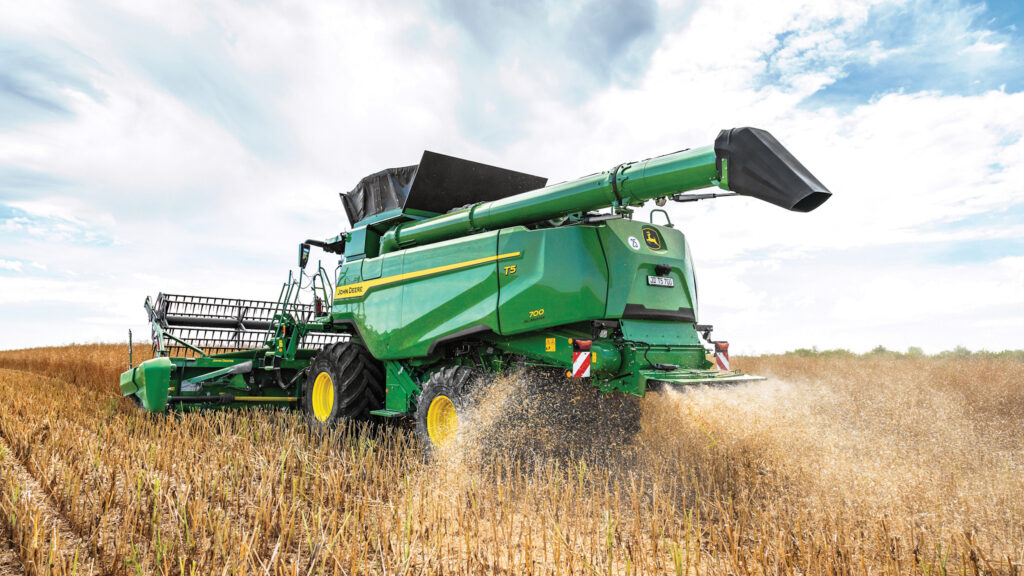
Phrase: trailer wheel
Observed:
(344, 382)
(446, 398)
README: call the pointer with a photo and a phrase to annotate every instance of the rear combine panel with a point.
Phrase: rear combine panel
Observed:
(455, 270)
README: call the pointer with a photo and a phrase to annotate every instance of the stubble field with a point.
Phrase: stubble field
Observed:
(834, 466)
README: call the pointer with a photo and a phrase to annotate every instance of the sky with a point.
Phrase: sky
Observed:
(188, 147)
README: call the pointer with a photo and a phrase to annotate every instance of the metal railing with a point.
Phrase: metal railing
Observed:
(193, 326)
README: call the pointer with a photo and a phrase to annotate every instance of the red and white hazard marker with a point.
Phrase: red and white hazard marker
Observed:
(580, 363)
(722, 356)
(581, 358)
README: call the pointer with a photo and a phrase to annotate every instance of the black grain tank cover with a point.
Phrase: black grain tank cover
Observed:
(376, 193)
(438, 184)
(761, 167)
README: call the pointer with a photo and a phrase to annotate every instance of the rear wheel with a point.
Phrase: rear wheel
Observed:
(344, 382)
(137, 402)
(445, 400)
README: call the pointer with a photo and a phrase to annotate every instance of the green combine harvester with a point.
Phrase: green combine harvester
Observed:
(454, 270)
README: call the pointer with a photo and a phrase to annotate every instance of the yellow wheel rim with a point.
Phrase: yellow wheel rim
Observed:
(323, 396)
(442, 421)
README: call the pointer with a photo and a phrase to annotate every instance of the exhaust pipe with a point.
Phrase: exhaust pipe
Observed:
(751, 162)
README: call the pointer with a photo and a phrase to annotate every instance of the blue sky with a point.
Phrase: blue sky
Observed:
(187, 147)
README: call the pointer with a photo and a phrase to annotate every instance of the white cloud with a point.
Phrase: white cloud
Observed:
(835, 301)
(58, 220)
(876, 53)
(187, 204)
(986, 47)
(73, 210)
(12, 265)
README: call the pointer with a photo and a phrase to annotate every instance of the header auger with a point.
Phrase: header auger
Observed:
(455, 269)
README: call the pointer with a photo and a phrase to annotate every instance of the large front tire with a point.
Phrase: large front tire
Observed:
(344, 382)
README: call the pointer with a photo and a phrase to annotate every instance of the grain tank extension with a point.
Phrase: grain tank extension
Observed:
(455, 269)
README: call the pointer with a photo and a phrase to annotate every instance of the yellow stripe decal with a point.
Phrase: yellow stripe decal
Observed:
(265, 399)
(361, 288)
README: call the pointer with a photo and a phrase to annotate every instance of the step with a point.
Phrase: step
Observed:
(388, 413)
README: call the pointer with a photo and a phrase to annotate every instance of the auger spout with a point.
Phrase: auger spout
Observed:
(747, 161)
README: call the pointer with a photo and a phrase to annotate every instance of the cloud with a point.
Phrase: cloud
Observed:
(913, 46)
(64, 208)
(509, 55)
(857, 301)
(58, 219)
(12, 265)
(189, 148)
(606, 41)
(983, 46)
(34, 79)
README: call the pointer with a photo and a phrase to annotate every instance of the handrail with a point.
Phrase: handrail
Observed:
(668, 221)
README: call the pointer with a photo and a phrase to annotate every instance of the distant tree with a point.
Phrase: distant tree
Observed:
(805, 352)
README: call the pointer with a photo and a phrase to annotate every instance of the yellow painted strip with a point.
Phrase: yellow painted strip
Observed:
(265, 399)
(361, 288)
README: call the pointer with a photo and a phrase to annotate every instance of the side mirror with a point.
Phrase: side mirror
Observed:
(303, 255)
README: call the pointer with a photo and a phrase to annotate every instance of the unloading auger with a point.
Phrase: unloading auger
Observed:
(455, 269)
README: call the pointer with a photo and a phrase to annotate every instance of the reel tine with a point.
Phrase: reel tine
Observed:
(218, 325)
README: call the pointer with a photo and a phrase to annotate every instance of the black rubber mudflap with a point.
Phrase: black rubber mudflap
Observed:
(761, 167)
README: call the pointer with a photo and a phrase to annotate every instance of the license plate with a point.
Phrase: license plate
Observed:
(661, 281)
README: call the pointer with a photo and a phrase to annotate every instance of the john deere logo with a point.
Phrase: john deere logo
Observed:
(652, 238)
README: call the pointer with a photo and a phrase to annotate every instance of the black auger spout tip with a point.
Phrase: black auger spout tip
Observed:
(751, 162)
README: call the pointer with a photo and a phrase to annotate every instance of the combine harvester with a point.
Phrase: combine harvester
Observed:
(455, 269)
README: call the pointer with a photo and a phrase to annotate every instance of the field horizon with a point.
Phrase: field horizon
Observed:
(881, 463)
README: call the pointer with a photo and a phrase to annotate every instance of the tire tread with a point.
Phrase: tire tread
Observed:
(358, 382)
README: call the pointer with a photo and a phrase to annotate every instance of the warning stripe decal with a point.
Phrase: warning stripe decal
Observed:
(361, 288)
(722, 359)
(581, 363)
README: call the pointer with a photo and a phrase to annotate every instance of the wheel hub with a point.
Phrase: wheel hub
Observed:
(323, 396)
(442, 421)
